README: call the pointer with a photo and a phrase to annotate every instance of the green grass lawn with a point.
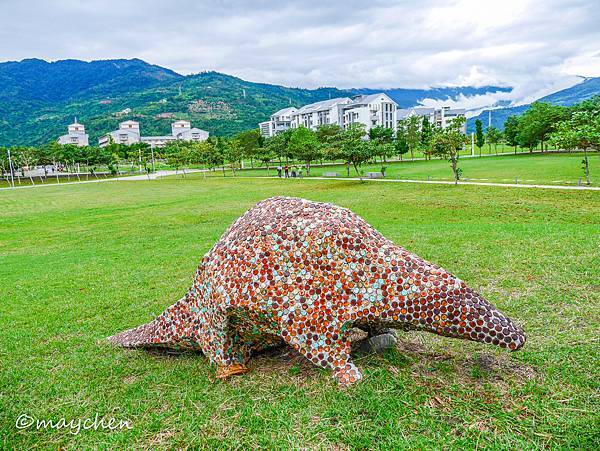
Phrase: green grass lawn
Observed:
(550, 168)
(79, 263)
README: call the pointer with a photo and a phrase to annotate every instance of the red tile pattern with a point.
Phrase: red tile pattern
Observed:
(306, 273)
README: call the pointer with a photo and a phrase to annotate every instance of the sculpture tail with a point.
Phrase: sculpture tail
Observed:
(138, 337)
(176, 327)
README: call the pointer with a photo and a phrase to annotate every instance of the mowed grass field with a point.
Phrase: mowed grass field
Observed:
(547, 168)
(79, 263)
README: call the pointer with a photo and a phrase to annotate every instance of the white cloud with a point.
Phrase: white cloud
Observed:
(533, 45)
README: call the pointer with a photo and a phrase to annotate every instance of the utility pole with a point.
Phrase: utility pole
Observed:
(472, 144)
(12, 177)
(489, 118)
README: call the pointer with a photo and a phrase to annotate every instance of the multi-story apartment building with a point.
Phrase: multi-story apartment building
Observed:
(371, 110)
(437, 116)
(320, 113)
(129, 133)
(76, 135)
(374, 110)
(277, 123)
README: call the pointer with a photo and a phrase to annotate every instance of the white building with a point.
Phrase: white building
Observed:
(374, 110)
(129, 133)
(75, 135)
(371, 110)
(277, 123)
(440, 117)
(320, 113)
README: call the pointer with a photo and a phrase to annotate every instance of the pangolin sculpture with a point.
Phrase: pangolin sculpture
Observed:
(306, 273)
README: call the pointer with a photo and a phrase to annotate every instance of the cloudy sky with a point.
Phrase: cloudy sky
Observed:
(535, 46)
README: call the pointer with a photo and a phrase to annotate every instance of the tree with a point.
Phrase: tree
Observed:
(304, 146)
(527, 135)
(178, 154)
(329, 136)
(411, 127)
(249, 141)
(400, 143)
(278, 144)
(233, 153)
(539, 120)
(382, 137)
(28, 157)
(479, 138)
(447, 142)
(426, 132)
(211, 154)
(140, 152)
(354, 148)
(581, 131)
(511, 130)
(265, 155)
(492, 136)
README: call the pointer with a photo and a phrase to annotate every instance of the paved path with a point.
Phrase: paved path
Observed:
(445, 182)
(152, 176)
(159, 174)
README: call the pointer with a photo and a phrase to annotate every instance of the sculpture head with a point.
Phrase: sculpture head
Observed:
(473, 318)
(462, 313)
(443, 304)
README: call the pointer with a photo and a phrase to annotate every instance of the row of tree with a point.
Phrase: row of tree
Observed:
(576, 127)
(544, 124)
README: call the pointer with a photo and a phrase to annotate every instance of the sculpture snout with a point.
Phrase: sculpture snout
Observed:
(502, 332)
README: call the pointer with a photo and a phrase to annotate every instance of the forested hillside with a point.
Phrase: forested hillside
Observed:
(38, 99)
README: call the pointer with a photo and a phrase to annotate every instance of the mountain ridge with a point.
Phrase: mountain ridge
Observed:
(38, 99)
(589, 87)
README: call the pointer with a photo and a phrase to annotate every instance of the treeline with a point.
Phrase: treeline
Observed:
(352, 145)
(576, 127)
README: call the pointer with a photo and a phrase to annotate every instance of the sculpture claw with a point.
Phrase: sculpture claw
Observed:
(223, 372)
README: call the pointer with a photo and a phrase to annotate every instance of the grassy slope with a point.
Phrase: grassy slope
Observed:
(551, 168)
(79, 263)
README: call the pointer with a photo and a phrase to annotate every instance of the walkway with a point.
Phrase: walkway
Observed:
(151, 176)
(444, 182)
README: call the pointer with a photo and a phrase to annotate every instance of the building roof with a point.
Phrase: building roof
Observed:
(322, 105)
(129, 122)
(152, 138)
(77, 134)
(455, 111)
(364, 99)
(284, 111)
(417, 111)
(190, 132)
(121, 131)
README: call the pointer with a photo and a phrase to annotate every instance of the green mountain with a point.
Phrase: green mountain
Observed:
(39, 99)
(567, 97)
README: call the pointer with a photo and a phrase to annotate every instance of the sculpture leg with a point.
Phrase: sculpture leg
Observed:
(230, 352)
(344, 370)
(232, 358)
(335, 356)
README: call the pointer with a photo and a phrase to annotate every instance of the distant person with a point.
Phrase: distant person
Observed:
(300, 172)
(286, 170)
(294, 172)
(279, 171)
